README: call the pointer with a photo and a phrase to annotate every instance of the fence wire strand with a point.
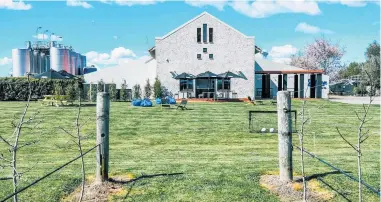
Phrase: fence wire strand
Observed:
(341, 171)
(50, 173)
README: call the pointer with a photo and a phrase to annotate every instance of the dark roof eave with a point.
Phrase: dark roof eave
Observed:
(291, 72)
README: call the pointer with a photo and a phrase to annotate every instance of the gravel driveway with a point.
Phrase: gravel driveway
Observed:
(353, 99)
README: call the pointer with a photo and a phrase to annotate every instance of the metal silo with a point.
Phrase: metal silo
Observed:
(21, 61)
(73, 62)
(36, 62)
(59, 59)
(42, 63)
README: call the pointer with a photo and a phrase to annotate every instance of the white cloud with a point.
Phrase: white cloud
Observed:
(350, 3)
(47, 37)
(78, 3)
(132, 2)
(282, 54)
(56, 38)
(14, 5)
(116, 56)
(41, 36)
(220, 4)
(310, 29)
(5, 61)
(263, 8)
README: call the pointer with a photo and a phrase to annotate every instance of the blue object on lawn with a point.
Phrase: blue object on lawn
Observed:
(146, 103)
(158, 101)
(136, 102)
(171, 100)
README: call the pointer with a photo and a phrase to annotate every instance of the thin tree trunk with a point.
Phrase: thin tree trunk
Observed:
(301, 134)
(80, 150)
(17, 134)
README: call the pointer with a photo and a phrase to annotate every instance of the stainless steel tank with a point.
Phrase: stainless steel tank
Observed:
(36, 62)
(42, 63)
(59, 59)
(73, 62)
(21, 62)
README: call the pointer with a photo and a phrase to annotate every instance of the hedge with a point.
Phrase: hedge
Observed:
(16, 89)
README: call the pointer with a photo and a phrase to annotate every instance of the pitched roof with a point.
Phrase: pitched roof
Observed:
(195, 18)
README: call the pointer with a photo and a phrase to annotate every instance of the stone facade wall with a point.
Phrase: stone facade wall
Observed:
(232, 51)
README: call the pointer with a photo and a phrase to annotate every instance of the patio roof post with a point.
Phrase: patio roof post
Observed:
(194, 87)
(301, 85)
(215, 88)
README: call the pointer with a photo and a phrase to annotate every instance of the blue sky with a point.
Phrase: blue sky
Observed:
(108, 31)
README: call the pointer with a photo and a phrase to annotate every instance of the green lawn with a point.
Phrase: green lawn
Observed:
(210, 144)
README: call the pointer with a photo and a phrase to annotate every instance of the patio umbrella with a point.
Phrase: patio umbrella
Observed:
(229, 74)
(207, 74)
(184, 76)
(51, 74)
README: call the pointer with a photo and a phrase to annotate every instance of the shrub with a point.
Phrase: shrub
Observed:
(16, 89)
(112, 91)
(157, 89)
(123, 91)
(147, 90)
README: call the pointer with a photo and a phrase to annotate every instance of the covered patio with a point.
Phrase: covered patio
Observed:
(271, 77)
(206, 85)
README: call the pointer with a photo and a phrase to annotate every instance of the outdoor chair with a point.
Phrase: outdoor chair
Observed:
(250, 100)
(201, 95)
(182, 105)
(164, 103)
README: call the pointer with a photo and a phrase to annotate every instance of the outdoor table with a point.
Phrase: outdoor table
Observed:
(208, 93)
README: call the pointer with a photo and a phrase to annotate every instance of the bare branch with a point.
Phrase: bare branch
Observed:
(67, 132)
(27, 144)
(5, 141)
(346, 139)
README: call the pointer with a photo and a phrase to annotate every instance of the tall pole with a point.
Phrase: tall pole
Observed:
(103, 118)
(284, 135)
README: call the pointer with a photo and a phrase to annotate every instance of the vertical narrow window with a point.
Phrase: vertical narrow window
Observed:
(205, 36)
(204, 50)
(199, 56)
(211, 35)
(198, 35)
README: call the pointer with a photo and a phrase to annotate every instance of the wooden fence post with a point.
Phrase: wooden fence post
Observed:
(103, 117)
(284, 135)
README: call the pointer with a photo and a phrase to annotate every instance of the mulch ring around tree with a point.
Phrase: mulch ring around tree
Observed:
(293, 191)
(96, 192)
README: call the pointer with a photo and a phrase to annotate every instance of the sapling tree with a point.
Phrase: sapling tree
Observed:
(362, 133)
(76, 138)
(123, 91)
(147, 89)
(15, 143)
(157, 89)
(137, 92)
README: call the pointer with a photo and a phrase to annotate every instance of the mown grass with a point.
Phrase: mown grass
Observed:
(210, 144)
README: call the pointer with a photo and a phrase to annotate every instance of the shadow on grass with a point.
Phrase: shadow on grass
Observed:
(133, 181)
(320, 176)
(335, 190)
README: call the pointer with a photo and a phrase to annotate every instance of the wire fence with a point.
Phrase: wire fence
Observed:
(50, 173)
(340, 170)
